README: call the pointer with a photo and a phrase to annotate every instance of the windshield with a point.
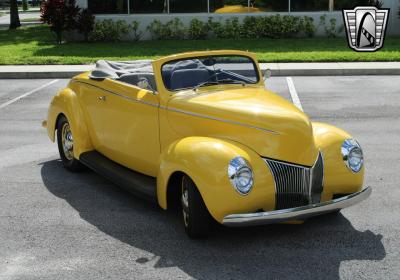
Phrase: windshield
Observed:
(211, 70)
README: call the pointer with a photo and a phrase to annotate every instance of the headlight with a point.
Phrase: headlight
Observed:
(240, 175)
(352, 155)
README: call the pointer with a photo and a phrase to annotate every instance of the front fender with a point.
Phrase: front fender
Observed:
(66, 102)
(338, 179)
(205, 160)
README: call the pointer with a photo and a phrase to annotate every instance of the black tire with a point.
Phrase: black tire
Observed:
(196, 218)
(69, 162)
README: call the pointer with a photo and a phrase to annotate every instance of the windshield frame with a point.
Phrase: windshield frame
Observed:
(254, 63)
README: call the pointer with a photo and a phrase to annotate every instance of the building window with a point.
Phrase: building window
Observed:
(216, 6)
(148, 6)
(271, 5)
(309, 5)
(108, 6)
(185, 6)
(350, 4)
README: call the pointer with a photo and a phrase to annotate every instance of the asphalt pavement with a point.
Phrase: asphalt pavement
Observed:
(5, 19)
(58, 225)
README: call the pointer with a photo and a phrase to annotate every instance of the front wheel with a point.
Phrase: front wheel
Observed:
(65, 143)
(196, 218)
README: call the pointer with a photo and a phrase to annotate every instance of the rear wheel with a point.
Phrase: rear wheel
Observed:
(65, 143)
(196, 219)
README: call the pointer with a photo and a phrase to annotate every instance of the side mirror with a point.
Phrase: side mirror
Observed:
(267, 74)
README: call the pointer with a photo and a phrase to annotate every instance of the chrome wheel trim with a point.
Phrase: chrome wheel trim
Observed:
(185, 204)
(67, 142)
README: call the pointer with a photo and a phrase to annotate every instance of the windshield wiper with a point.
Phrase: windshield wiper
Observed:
(231, 81)
(222, 81)
(206, 83)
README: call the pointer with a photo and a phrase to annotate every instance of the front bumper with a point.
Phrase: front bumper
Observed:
(298, 213)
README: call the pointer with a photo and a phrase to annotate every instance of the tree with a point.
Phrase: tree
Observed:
(85, 23)
(60, 15)
(14, 16)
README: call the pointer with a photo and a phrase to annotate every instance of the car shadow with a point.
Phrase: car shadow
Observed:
(314, 249)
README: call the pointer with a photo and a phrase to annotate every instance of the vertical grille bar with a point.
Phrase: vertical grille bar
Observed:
(296, 185)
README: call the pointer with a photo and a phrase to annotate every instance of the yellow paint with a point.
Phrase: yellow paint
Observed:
(198, 133)
(228, 9)
(338, 179)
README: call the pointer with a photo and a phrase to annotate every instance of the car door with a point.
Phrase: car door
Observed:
(126, 124)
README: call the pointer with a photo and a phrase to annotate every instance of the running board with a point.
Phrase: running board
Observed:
(136, 183)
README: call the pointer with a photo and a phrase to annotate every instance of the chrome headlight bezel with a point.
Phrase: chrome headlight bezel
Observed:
(241, 175)
(351, 149)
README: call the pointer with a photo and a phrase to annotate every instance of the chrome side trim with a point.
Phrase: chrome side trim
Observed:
(217, 119)
(119, 95)
(298, 213)
(178, 110)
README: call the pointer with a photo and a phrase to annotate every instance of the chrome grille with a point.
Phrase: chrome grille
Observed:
(296, 185)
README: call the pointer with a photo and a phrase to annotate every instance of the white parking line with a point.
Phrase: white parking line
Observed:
(27, 94)
(293, 93)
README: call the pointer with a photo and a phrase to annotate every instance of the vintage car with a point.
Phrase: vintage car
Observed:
(199, 132)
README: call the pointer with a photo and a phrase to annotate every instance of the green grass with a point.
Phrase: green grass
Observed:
(36, 45)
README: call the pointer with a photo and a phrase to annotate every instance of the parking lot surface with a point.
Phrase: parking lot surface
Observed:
(58, 225)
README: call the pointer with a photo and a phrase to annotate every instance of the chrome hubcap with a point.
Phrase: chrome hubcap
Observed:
(67, 142)
(185, 204)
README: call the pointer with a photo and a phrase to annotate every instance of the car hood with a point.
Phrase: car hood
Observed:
(255, 117)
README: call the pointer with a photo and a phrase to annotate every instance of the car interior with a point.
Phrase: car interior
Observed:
(176, 75)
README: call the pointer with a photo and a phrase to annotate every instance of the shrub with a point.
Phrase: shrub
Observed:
(197, 30)
(134, 32)
(173, 29)
(156, 29)
(251, 27)
(263, 27)
(85, 23)
(216, 28)
(308, 26)
(231, 28)
(109, 30)
(330, 29)
(177, 27)
(59, 15)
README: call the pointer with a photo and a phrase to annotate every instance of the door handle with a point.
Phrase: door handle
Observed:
(102, 98)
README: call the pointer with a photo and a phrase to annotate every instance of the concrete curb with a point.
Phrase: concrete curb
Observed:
(277, 69)
(39, 75)
(42, 71)
(334, 72)
(333, 68)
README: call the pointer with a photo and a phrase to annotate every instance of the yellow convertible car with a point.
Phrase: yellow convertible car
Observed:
(199, 132)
